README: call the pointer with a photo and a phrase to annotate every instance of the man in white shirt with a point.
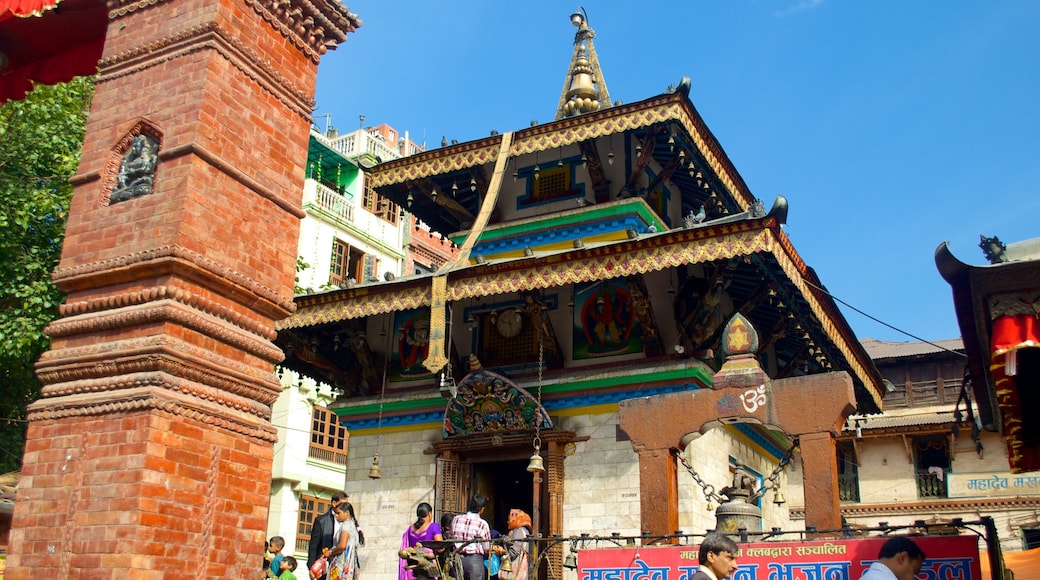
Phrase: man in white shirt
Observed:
(717, 556)
(899, 559)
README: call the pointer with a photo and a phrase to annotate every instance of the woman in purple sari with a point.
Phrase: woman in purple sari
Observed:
(422, 530)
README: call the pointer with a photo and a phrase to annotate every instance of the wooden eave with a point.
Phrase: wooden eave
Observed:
(760, 237)
(395, 178)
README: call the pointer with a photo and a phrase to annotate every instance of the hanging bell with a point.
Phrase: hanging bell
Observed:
(778, 497)
(536, 461)
(373, 472)
(571, 561)
(506, 564)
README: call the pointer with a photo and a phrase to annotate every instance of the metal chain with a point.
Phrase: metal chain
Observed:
(538, 417)
(709, 490)
(773, 477)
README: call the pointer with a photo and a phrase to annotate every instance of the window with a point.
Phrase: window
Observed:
(338, 270)
(328, 437)
(552, 183)
(378, 204)
(848, 473)
(310, 508)
(347, 264)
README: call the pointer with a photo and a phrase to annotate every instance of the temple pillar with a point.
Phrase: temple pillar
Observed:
(820, 481)
(658, 492)
(149, 452)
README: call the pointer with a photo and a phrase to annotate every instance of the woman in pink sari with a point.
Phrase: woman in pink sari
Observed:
(422, 530)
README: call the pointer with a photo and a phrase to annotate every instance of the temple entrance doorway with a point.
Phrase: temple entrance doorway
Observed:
(507, 484)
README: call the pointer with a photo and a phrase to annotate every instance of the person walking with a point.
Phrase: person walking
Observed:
(423, 529)
(900, 558)
(717, 556)
(323, 536)
(343, 557)
(474, 537)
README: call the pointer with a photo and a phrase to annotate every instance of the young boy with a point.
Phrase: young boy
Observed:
(274, 548)
(288, 565)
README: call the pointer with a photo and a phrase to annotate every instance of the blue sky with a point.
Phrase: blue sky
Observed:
(890, 126)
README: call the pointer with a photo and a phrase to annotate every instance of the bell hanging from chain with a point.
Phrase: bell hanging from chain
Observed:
(536, 459)
(373, 472)
(778, 496)
(571, 561)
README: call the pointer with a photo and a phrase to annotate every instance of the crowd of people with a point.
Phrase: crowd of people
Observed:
(462, 546)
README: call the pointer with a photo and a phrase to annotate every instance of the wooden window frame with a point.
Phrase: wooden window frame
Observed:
(328, 437)
(310, 507)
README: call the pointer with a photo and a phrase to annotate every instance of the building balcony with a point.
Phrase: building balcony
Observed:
(361, 142)
(930, 485)
(848, 487)
(334, 203)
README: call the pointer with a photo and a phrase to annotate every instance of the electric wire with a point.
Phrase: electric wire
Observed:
(879, 321)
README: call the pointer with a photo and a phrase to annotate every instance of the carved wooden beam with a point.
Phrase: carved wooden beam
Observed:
(647, 146)
(594, 165)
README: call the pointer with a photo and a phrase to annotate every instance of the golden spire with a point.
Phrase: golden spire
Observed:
(584, 89)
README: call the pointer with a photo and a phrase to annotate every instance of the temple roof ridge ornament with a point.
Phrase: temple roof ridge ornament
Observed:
(584, 89)
(739, 343)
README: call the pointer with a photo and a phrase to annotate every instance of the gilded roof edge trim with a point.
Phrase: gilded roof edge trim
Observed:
(823, 314)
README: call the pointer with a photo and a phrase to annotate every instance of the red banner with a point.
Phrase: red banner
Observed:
(948, 558)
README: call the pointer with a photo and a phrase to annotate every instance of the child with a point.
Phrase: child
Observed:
(274, 546)
(288, 565)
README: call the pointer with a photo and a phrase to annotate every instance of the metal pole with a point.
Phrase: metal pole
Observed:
(536, 519)
(996, 558)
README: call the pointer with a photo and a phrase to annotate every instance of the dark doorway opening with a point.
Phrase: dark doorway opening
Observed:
(508, 485)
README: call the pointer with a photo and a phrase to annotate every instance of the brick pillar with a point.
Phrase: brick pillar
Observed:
(149, 453)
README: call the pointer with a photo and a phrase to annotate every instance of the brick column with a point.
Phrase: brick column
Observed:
(149, 453)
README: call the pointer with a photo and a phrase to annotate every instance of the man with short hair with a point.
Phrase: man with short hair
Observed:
(470, 526)
(717, 556)
(900, 558)
(323, 534)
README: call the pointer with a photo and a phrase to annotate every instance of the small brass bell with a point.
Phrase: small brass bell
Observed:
(778, 496)
(571, 561)
(536, 461)
(373, 472)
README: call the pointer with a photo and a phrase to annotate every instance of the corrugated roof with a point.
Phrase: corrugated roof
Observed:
(880, 349)
(912, 417)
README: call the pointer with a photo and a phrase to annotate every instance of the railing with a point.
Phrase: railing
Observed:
(351, 148)
(331, 201)
(848, 486)
(327, 455)
(930, 485)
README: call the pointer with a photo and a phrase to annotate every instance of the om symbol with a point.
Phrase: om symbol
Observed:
(752, 399)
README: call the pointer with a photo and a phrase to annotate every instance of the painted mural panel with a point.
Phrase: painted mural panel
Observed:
(605, 323)
(411, 345)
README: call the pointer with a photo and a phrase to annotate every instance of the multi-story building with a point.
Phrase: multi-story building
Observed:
(929, 456)
(351, 236)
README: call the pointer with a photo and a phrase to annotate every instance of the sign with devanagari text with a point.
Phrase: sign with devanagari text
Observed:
(948, 558)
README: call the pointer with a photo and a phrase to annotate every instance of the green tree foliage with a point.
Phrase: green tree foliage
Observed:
(40, 142)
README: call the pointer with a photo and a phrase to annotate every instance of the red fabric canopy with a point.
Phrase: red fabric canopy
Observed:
(48, 41)
(12, 8)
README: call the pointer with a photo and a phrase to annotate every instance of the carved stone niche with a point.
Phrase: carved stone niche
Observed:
(133, 163)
